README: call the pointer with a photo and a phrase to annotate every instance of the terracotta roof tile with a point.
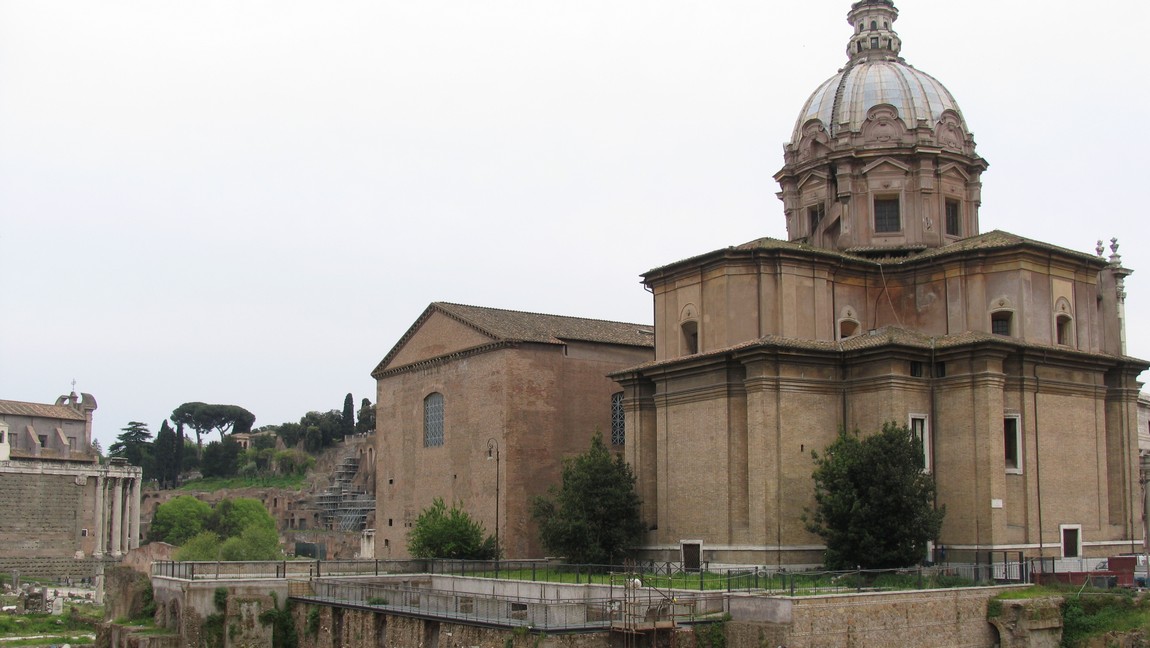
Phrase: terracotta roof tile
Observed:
(20, 408)
(519, 326)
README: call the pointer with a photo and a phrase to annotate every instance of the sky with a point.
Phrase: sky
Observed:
(249, 202)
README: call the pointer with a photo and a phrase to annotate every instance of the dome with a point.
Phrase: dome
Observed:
(844, 100)
(876, 75)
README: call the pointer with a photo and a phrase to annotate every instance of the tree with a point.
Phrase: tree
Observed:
(134, 445)
(874, 504)
(164, 455)
(348, 417)
(366, 422)
(206, 417)
(321, 429)
(179, 519)
(221, 458)
(443, 533)
(230, 517)
(593, 517)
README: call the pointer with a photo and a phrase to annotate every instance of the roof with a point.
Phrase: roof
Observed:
(888, 336)
(993, 240)
(520, 326)
(509, 326)
(40, 410)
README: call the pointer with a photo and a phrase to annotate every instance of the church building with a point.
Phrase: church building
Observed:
(887, 302)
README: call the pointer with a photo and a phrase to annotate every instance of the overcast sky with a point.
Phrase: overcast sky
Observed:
(249, 202)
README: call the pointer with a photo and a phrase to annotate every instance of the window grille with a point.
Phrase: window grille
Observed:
(433, 421)
(618, 421)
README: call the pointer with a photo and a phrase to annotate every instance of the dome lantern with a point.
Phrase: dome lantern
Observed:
(873, 36)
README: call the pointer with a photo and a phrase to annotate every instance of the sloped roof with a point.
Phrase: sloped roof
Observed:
(519, 326)
(992, 240)
(20, 408)
(508, 326)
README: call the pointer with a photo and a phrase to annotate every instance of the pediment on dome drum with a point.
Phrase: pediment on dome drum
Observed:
(813, 180)
(888, 165)
(954, 173)
(815, 142)
(883, 126)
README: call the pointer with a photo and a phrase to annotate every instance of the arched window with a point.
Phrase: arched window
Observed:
(1064, 330)
(874, 24)
(433, 420)
(618, 420)
(690, 337)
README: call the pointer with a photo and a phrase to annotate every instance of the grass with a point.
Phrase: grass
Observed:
(43, 624)
(286, 482)
(1088, 612)
(801, 583)
(53, 640)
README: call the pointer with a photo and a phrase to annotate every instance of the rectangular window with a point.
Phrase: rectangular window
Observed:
(1000, 322)
(1012, 445)
(953, 218)
(618, 421)
(43, 440)
(886, 215)
(916, 370)
(921, 433)
(1071, 536)
(433, 421)
(815, 216)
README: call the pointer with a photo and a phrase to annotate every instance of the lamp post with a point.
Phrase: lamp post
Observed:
(493, 453)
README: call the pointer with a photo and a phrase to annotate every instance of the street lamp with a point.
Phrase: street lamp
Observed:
(493, 453)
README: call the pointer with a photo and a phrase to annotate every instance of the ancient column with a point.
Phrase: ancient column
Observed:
(117, 515)
(99, 532)
(134, 502)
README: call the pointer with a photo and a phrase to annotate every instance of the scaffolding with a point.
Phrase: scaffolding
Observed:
(647, 616)
(344, 508)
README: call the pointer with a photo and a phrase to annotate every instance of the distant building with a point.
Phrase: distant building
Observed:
(57, 501)
(478, 401)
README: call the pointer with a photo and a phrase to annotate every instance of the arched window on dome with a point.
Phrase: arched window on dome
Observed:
(873, 25)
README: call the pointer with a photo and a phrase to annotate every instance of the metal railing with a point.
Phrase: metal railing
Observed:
(622, 607)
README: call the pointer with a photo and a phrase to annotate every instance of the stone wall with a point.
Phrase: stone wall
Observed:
(949, 618)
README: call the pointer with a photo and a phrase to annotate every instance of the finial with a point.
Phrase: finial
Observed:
(874, 35)
(1115, 258)
(1100, 249)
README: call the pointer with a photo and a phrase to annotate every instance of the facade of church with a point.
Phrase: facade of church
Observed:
(479, 407)
(887, 303)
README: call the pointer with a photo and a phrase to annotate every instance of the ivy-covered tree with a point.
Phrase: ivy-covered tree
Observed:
(874, 504)
(593, 516)
(440, 532)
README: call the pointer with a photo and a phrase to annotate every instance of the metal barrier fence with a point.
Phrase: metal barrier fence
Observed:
(999, 567)
(622, 607)
(219, 570)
